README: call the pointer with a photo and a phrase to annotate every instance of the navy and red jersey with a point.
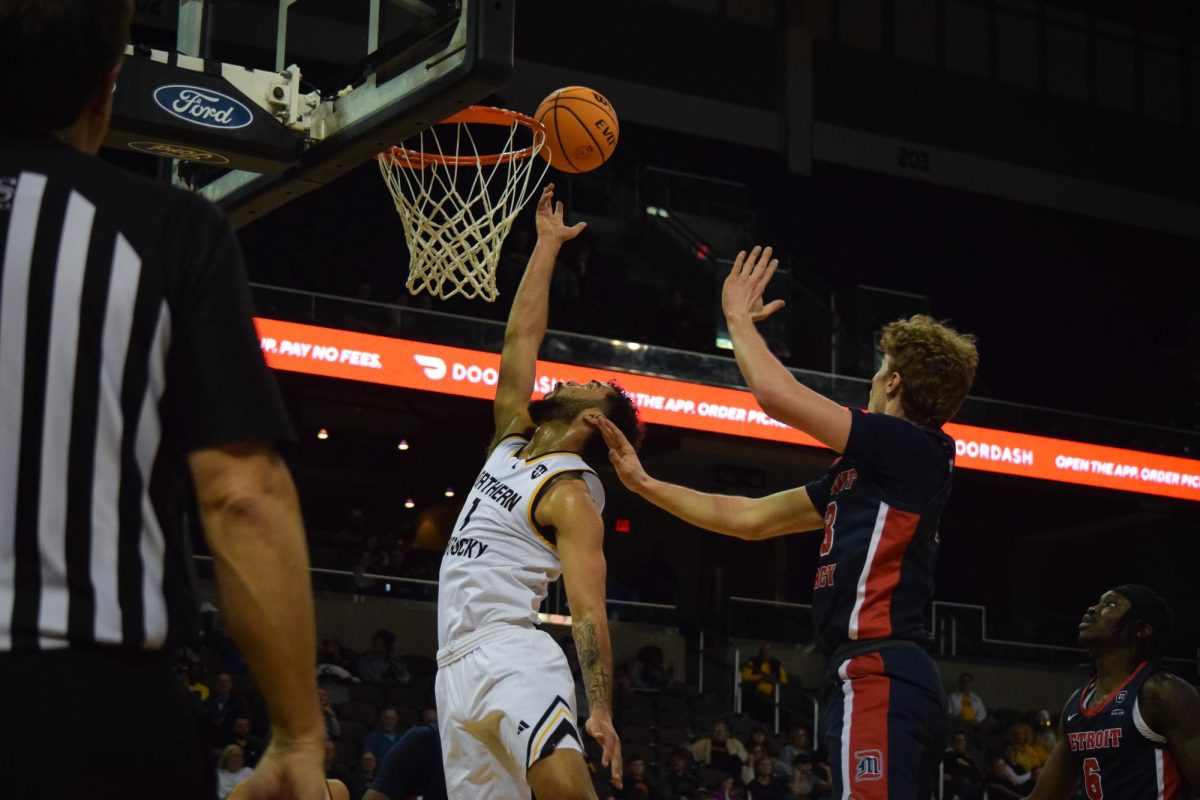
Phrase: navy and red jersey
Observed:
(1115, 751)
(882, 501)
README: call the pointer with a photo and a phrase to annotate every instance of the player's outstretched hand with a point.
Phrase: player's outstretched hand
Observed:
(622, 455)
(550, 218)
(742, 294)
(286, 773)
(600, 728)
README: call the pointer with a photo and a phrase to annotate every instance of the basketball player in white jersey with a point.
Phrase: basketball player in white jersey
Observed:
(505, 695)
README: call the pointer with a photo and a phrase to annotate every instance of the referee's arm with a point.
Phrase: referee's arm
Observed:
(251, 517)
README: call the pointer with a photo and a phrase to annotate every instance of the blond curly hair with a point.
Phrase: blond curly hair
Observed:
(936, 365)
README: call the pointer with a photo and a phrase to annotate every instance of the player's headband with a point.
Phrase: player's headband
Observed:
(1150, 607)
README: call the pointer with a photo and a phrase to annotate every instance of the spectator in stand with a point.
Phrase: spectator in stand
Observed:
(678, 782)
(646, 671)
(335, 669)
(638, 784)
(1001, 781)
(360, 577)
(231, 770)
(333, 727)
(765, 786)
(760, 676)
(966, 707)
(1047, 740)
(195, 682)
(1026, 753)
(223, 707)
(961, 774)
(194, 705)
(212, 642)
(756, 752)
(758, 736)
(720, 751)
(333, 770)
(1017, 774)
(1045, 735)
(822, 774)
(725, 789)
(381, 740)
(252, 746)
(334, 653)
(803, 783)
(798, 744)
(382, 665)
(364, 776)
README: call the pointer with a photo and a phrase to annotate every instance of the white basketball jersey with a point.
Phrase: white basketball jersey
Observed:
(498, 564)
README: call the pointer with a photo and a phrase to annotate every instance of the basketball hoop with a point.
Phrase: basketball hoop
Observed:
(456, 203)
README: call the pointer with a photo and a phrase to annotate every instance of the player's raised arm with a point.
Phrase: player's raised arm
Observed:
(749, 518)
(569, 508)
(1171, 707)
(774, 387)
(527, 319)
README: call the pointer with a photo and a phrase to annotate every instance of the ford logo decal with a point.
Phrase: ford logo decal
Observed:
(202, 106)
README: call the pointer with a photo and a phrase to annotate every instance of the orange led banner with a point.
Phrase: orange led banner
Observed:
(472, 373)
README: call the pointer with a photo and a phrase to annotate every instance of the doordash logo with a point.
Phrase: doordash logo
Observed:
(434, 367)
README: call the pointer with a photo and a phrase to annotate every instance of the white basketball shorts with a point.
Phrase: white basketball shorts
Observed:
(505, 698)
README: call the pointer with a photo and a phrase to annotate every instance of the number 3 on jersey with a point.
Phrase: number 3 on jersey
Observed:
(1091, 779)
(830, 519)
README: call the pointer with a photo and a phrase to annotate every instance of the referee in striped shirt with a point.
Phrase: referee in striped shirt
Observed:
(128, 358)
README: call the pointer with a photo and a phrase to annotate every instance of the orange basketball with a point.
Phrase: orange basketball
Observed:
(581, 129)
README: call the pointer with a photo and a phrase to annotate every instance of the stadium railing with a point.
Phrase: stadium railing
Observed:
(960, 630)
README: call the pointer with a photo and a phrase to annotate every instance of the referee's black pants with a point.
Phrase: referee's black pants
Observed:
(97, 723)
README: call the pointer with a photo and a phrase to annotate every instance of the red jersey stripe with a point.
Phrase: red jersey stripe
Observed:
(882, 575)
(865, 737)
(1172, 779)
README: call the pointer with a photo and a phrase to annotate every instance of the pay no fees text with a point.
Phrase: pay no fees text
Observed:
(333, 355)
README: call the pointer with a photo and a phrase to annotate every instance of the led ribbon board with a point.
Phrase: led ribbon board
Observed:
(472, 373)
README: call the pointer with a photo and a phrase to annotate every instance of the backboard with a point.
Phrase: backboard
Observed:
(260, 101)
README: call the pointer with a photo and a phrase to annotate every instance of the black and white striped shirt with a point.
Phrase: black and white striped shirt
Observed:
(126, 342)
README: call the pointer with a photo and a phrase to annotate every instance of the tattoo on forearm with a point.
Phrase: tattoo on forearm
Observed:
(595, 675)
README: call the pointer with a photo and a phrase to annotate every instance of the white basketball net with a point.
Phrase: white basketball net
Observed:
(456, 208)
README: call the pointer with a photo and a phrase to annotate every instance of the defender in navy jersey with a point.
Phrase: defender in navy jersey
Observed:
(1132, 732)
(505, 694)
(878, 505)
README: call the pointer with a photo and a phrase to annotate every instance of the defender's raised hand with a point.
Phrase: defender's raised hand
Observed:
(742, 294)
(550, 218)
(622, 455)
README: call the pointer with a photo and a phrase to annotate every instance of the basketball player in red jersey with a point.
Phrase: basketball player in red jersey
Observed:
(1133, 731)
(884, 724)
